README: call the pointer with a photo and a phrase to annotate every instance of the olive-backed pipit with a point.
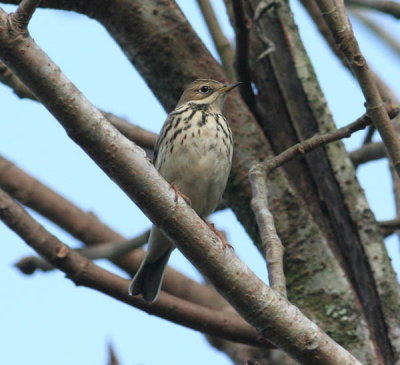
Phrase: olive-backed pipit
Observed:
(194, 154)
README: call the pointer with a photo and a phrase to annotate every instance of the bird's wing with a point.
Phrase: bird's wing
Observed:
(166, 128)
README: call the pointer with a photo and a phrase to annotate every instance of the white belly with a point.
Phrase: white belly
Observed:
(199, 163)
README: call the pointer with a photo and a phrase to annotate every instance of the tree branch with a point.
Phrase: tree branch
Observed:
(108, 250)
(390, 226)
(322, 139)
(388, 7)
(83, 272)
(112, 357)
(315, 13)
(223, 46)
(273, 317)
(24, 13)
(7, 77)
(387, 37)
(340, 27)
(274, 249)
(341, 30)
(368, 152)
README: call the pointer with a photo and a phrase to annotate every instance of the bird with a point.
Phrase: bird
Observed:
(194, 154)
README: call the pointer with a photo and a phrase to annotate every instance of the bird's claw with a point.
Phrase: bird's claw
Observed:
(225, 243)
(178, 192)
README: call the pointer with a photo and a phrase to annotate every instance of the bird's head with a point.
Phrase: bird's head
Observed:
(207, 92)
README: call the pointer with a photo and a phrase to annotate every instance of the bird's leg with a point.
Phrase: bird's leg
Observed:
(220, 235)
(178, 192)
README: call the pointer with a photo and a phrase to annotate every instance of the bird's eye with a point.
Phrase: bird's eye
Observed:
(204, 89)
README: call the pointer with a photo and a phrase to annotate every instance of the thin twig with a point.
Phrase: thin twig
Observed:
(391, 223)
(273, 247)
(83, 272)
(222, 44)
(396, 193)
(7, 77)
(368, 152)
(369, 135)
(388, 7)
(108, 250)
(321, 139)
(24, 12)
(339, 25)
(112, 357)
(387, 37)
(389, 227)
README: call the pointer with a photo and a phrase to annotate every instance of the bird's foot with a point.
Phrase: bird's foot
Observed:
(178, 192)
(221, 236)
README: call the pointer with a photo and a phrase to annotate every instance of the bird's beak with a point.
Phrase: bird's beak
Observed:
(227, 88)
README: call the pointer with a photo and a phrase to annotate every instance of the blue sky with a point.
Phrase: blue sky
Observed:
(45, 317)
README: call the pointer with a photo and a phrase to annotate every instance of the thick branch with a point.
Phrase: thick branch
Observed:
(341, 30)
(83, 272)
(276, 319)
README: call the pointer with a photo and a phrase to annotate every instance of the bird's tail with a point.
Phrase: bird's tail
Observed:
(147, 281)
